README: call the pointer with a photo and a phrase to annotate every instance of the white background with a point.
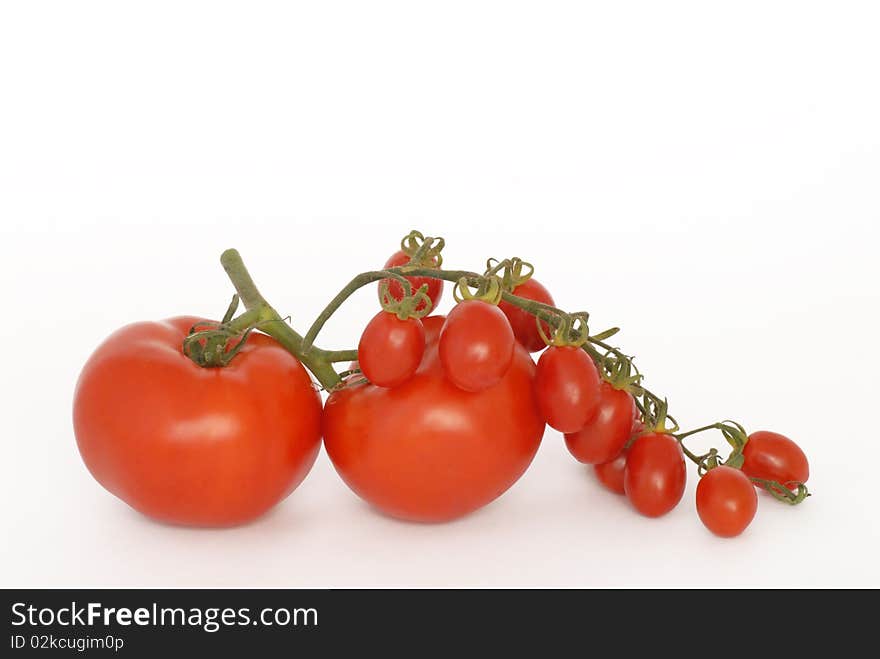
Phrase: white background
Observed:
(704, 175)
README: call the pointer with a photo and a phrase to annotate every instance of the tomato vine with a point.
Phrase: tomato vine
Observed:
(215, 346)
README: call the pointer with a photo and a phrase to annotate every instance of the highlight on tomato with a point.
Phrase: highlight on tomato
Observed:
(193, 445)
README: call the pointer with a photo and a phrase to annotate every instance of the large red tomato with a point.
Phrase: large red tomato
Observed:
(192, 445)
(428, 451)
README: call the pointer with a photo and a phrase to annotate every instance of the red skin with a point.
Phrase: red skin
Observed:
(476, 345)
(655, 474)
(433, 326)
(435, 286)
(610, 474)
(774, 457)
(567, 387)
(391, 349)
(190, 445)
(525, 327)
(428, 451)
(607, 432)
(726, 501)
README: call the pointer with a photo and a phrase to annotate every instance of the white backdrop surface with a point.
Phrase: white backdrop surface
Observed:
(703, 175)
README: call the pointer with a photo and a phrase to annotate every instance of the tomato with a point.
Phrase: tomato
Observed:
(606, 433)
(567, 387)
(726, 501)
(391, 349)
(435, 286)
(655, 474)
(427, 450)
(191, 445)
(610, 474)
(774, 457)
(476, 345)
(433, 326)
(525, 327)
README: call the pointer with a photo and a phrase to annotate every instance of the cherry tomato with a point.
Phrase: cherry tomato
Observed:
(774, 457)
(726, 501)
(610, 474)
(427, 450)
(435, 286)
(606, 433)
(476, 345)
(567, 387)
(192, 445)
(655, 474)
(391, 349)
(525, 327)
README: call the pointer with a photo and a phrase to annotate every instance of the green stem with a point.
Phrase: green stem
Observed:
(361, 280)
(400, 273)
(260, 312)
(693, 457)
(320, 362)
(530, 306)
(241, 279)
(711, 426)
(365, 278)
(341, 355)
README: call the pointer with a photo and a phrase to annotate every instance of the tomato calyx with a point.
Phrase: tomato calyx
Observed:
(214, 346)
(514, 272)
(734, 434)
(568, 329)
(782, 491)
(423, 251)
(655, 417)
(621, 373)
(488, 289)
(413, 304)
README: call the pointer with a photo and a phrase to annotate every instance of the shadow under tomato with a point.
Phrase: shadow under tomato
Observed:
(271, 517)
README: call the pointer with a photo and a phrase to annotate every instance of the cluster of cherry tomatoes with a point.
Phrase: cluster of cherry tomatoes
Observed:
(211, 423)
(594, 408)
